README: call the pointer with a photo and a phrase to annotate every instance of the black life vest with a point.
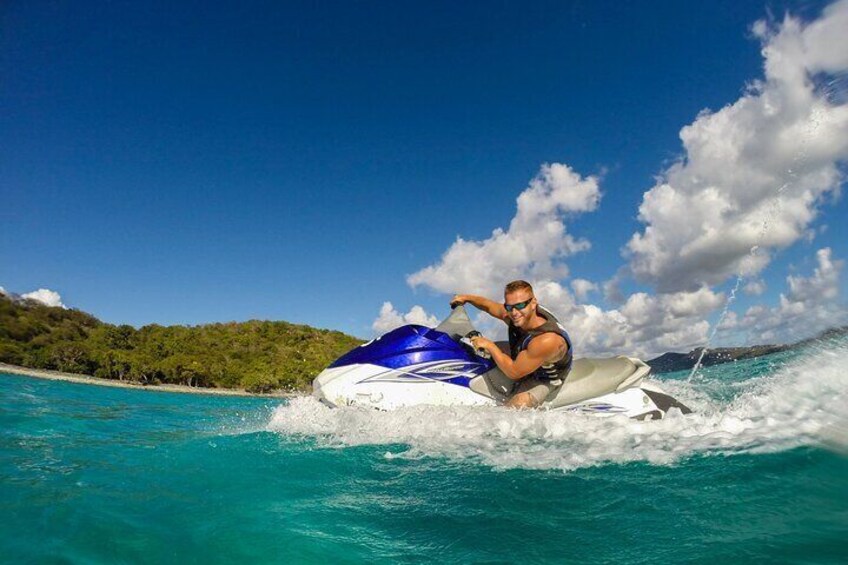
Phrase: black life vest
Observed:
(519, 340)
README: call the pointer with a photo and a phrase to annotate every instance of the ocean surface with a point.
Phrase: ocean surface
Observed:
(93, 474)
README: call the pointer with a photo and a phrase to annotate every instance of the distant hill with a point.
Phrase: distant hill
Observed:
(258, 356)
(670, 362)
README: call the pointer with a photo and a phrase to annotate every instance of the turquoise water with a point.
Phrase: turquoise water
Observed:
(94, 474)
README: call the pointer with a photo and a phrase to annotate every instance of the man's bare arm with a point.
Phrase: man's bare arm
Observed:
(490, 307)
(542, 348)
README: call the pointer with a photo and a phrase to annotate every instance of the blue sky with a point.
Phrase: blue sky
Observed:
(202, 162)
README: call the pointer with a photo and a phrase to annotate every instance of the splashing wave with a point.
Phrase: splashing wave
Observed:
(802, 403)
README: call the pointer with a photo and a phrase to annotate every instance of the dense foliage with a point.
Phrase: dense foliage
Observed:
(256, 356)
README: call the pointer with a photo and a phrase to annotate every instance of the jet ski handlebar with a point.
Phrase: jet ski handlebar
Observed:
(477, 351)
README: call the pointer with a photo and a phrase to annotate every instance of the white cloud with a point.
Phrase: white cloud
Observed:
(754, 172)
(45, 296)
(390, 318)
(810, 305)
(533, 246)
(643, 325)
(730, 321)
(822, 286)
(755, 288)
(582, 288)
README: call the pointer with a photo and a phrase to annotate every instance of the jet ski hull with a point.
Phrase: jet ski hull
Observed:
(371, 386)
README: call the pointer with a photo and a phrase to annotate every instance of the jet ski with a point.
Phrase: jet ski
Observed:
(415, 365)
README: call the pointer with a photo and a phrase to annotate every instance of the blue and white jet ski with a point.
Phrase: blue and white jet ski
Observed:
(414, 365)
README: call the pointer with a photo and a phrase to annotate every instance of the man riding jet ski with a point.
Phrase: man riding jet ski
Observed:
(453, 364)
(540, 356)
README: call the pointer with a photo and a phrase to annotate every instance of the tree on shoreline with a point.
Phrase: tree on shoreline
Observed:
(258, 356)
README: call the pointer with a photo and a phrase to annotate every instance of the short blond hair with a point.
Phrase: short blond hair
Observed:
(518, 285)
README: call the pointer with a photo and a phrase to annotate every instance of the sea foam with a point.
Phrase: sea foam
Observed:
(802, 403)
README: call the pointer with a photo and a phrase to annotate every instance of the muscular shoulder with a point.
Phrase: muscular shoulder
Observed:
(547, 344)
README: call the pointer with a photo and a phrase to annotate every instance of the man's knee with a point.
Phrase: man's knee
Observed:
(523, 400)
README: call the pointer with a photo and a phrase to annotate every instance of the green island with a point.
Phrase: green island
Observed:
(255, 356)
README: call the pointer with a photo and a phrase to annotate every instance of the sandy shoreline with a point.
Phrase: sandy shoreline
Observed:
(89, 380)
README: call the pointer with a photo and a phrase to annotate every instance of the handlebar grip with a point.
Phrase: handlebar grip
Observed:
(480, 352)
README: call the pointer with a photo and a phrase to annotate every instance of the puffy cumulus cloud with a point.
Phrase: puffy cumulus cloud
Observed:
(45, 296)
(729, 322)
(582, 288)
(673, 321)
(390, 318)
(755, 288)
(754, 172)
(533, 246)
(810, 305)
(823, 285)
(643, 324)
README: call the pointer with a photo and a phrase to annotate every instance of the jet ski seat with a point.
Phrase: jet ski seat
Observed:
(589, 378)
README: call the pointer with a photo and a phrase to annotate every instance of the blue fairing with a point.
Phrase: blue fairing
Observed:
(410, 348)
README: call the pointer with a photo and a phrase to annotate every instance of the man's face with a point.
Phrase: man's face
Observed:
(524, 298)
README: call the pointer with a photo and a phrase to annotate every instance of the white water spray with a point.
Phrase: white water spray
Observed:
(800, 404)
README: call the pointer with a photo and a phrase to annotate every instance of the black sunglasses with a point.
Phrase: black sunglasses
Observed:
(517, 305)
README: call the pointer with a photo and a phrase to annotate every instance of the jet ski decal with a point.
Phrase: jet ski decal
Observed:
(599, 407)
(454, 372)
